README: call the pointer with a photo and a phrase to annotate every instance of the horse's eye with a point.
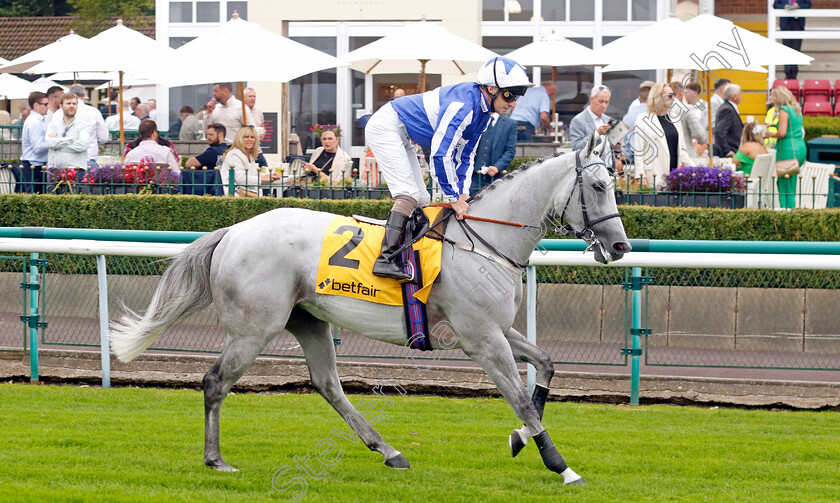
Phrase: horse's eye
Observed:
(600, 186)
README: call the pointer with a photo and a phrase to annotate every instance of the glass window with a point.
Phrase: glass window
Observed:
(615, 10)
(525, 6)
(624, 88)
(644, 10)
(493, 10)
(312, 97)
(241, 8)
(583, 41)
(554, 10)
(357, 97)
(572, 94)
(176, 42)
(207, 12)
(504, 45)
(194, 96)
(180, 12)
(581, 10)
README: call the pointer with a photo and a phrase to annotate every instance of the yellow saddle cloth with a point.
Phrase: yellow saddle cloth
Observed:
(346, 265)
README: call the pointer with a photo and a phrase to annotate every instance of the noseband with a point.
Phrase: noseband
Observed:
(587, 234)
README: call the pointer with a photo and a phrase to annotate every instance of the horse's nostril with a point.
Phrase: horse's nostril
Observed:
(621, 247)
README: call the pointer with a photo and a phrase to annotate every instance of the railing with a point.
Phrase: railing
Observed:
(810, 33)
(709, 304)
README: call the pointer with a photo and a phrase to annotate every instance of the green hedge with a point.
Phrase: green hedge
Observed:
(204, 213)
(818, 126)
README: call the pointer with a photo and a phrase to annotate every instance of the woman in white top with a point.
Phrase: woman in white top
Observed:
(658, 140)
(329, 162)
(242, 157)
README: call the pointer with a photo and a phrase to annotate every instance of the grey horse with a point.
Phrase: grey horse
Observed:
(260, 276)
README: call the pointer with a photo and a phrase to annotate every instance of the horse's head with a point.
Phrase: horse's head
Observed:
(589, 210)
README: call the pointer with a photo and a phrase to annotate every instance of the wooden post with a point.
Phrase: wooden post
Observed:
(122, 121)
(710, 90)
(423, 75)
(240, 88)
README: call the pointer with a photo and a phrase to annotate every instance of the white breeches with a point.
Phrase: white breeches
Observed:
(388, 140)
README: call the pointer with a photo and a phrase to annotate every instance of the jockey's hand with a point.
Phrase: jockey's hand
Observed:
(460, 206)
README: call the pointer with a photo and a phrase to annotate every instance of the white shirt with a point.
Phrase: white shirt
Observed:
(99, 133)
(130, 123)
(599, 121)
(68, 145)
(152, 149)
(230, 116)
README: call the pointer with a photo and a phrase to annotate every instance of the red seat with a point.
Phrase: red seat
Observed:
(791, 84)
(836, 89)
(816, 87)
(817, 108)
(814, 98)
(837, 109)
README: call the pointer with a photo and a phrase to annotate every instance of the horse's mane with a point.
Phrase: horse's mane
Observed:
(512, 174)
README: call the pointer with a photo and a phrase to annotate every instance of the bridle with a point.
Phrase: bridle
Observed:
(587, 234)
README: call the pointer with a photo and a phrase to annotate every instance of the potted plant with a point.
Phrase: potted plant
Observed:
(707, 187)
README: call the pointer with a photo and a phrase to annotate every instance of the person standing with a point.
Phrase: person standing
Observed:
(717, 99)
(659, 144)
(792, 24)
(54, 95)
(496, 149)
(89, 114)
(251, 103)
(592, 118)
(449, 120)
(729, 123)
(225, 109)
(33, 150)
(68, 137)
(790, 145)
(531, 113)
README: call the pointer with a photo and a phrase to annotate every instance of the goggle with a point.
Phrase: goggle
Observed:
(512, 94)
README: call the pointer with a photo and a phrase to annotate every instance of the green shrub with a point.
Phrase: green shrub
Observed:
(519, 161)
(818, 126)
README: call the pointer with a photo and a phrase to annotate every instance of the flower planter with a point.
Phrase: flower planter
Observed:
(691, 199)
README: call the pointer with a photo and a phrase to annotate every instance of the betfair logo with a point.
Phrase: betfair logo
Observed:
(325, 283)
(357, 288)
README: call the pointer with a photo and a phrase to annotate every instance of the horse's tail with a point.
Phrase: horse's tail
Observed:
(183, 290)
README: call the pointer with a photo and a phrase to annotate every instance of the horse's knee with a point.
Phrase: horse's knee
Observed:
(212, 385)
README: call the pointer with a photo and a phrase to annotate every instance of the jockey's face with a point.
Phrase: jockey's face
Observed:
(499, 104)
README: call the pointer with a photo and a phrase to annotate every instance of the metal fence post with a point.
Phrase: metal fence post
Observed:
(637, 282)
(102, 277)
(531, 303)
(33, 319)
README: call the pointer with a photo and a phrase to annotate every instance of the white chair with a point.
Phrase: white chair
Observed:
(812, 191)
(761, 184)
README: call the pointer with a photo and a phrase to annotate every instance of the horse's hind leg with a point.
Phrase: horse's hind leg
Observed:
(317, 344)
(238, 355)
(524, 350)
(492, 351)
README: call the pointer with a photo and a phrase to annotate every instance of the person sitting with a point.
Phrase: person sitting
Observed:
(752, 145)
(328, 162)
(729, 126)
(150, 148)
(496, 149)
(192, 126)
(130, 122)
(210, 158)
(658, 139)
(175, 126)
(242, 158)
(112, 106)
(160, 140)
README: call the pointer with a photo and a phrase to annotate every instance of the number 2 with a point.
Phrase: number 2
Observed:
(339, 258)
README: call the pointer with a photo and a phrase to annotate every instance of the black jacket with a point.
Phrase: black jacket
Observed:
(728, 128)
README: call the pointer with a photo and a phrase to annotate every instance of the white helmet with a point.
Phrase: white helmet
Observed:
(504, 73)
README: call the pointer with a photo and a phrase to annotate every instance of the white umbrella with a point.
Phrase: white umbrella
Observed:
(62, 47)
(246, 52)
(759, 50)
(44, 83)
(554, 51)
(117, 49)
(672, 44)
(421, 48)
(14, 88)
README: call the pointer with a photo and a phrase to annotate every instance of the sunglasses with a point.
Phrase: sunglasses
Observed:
(43, 104)
(513, 94)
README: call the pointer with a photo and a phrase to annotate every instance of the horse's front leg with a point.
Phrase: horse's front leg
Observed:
(492, 351)
(524, 350)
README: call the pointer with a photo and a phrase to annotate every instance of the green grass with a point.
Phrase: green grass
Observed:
(87, 444)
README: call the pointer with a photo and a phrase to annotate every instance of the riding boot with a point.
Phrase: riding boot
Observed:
(389, 264)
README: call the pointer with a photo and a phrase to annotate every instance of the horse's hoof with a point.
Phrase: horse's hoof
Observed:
(399, 462)
(220, 466)
(578, 482)
(516, 443)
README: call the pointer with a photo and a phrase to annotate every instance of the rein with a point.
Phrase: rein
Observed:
(587, 234)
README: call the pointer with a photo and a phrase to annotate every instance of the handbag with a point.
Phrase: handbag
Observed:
(240, 192)
(788, 167)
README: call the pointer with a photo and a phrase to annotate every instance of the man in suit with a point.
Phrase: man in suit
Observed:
(496, 149)
(592, 118)
(729, 125)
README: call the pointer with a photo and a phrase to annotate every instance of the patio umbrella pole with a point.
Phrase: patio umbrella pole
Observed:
(554, 103)
(240, 87)
(423, 75)
(122, 119)
(709, 112)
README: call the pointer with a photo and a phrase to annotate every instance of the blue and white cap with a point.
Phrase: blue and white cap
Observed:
(504, 73)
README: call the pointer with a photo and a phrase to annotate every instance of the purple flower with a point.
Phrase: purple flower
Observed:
(703, 179)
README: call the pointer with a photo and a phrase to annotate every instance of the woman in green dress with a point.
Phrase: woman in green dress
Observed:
(752, 145)
(789, 144)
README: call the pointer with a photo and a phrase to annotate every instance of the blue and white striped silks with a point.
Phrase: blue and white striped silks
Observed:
(450, 121)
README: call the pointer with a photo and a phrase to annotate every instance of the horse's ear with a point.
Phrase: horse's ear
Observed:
(586, 151)
(599, 150)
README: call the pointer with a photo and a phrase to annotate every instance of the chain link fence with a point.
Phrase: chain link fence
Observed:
(698, 317)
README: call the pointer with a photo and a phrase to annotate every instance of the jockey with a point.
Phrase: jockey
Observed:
(450, 121)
